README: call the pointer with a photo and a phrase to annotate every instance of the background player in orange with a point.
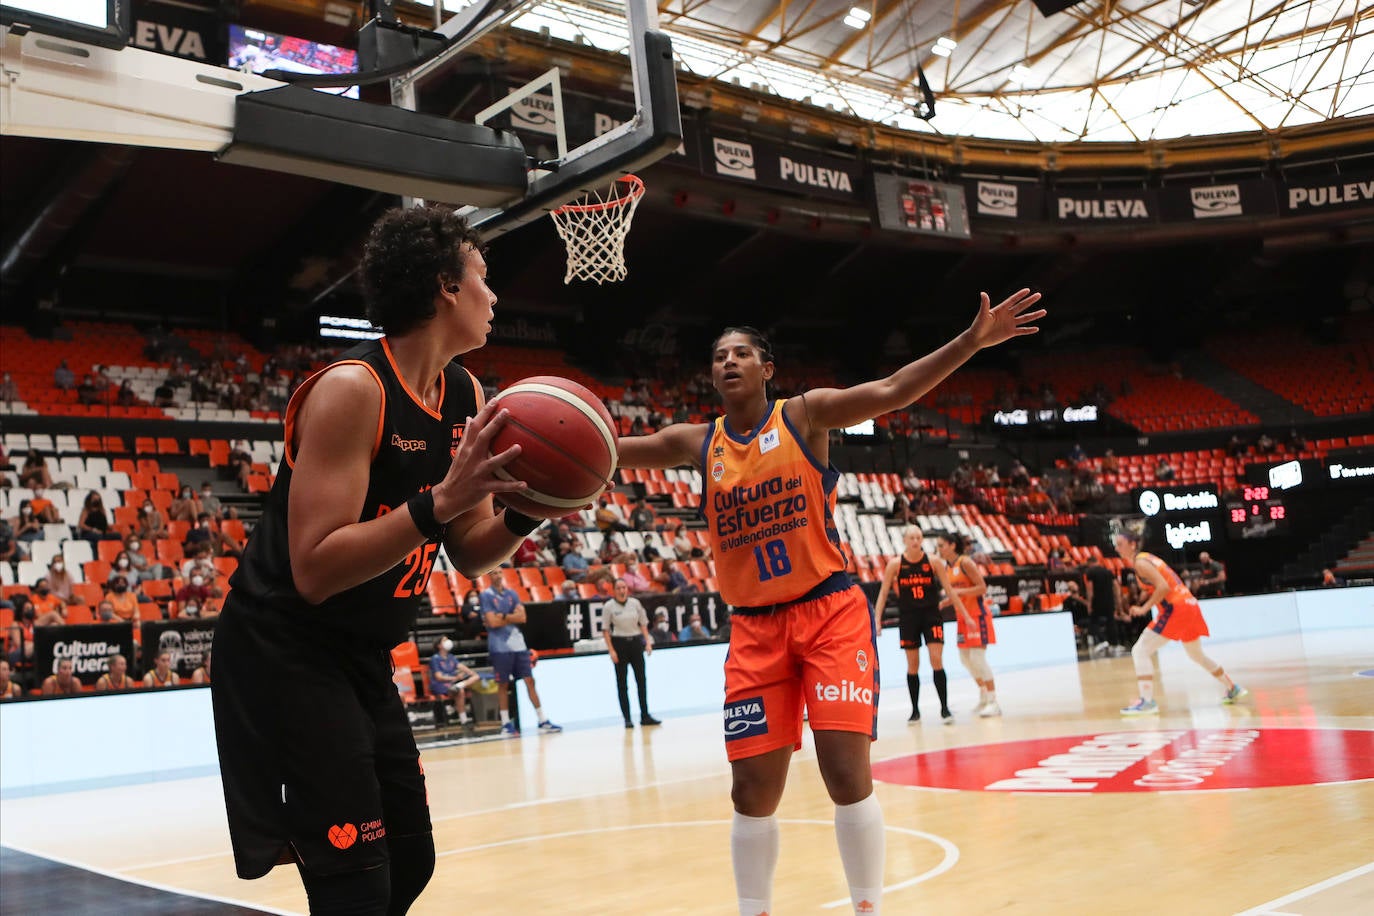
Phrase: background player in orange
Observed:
(965, 589)
(918, 606)
(1180, 619)
(802, 632)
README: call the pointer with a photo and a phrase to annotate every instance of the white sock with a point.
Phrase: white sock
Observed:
(992, 696)
(754, 851)
(859, 833)
(462, 718)
(505, 716)
(539, 715)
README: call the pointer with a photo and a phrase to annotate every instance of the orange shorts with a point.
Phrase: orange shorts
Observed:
(1181, 620)
(822, 654)
(982, 633)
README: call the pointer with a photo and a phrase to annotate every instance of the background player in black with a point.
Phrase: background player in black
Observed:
(1104, 604)
(387, 457)
(918, 605)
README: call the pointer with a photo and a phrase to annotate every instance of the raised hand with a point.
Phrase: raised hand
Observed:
(1008, 319)
(472, 477)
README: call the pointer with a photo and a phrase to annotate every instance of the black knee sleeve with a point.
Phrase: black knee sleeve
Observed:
(352, 893)
(412, 864)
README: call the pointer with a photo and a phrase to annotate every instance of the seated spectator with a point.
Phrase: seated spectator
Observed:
(448, 682)
(680, 546)
(61, 581)
(642, 518)
(198, 558)
(1110, 464)
(9, 689)
(123, 565)
(122, 599)
(635, 582)
(1331, 580)
(139, 562)
(567, 591)
(470, 625)
(662, 634)
(211, 503)
(1266, 444)
(199, 534)
(202, 674)
(1235, 447)
(613, 551)
(1055, 559)
(105, 613)
(575, 566)
(87, 393)
(26, 527)
(911, 482)
(20, 641)
(241, 461)
(63, 683)
(117, 678)
(9, 391)
(1018, 476)
(35, 474)
(1076, 454)
(695, 629)
(152, 525)
(43, 508)
(609, 519)
(125, 397)
(1164, 470)
(186, 507)
(162, 674)
(653, 549)
(198, 589)
(94, 522)
(901, 509)
(62, 377)
(9, 547)
(51, 609)
(558, 535)
(221, 544)
(674, 580)
(1295, 440)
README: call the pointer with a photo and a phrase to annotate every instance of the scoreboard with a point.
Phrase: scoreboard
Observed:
(1258, 513)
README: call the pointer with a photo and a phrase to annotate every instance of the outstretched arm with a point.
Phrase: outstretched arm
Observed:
(670, 447)
(836, 408)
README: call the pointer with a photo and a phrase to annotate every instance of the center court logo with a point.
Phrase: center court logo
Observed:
(745, 719)
(1147, 761)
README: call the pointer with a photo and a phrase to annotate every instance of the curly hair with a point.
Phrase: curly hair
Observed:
(408, 252)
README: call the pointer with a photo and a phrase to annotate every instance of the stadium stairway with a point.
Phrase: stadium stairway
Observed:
(1276, 414)
(1346, 542)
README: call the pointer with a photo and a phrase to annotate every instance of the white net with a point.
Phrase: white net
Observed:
(594, 231)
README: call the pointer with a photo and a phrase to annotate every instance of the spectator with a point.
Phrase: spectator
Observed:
(211, 503)
(678, 543)
(94, 522)
(198, 558)
(642, 518)
(35, 473)
(199, 534)
(628, 642)
(567, 591)
(9, 391)
(152, 525)
(125, 397)
(123, 565)
(43, 508)
(608, 519)
(1331, 580)
(139, 562)
(62, 683)
(1266, 444)
(50, 608)
(901, 509)
(1054, 560)
(448, 683)
(470, 625)
(1235, 447)
(673, 579)
(574, 565)
(241, 461)
(162, 674)
(61, 581)
(1295, 440)
(105, 612)
(695, 630)
(221, 544)
(1110, 464)
(1075, 605)
(510, 658)
(911, 482)
(1164, 470)
(87, 393)
(662, 633)
(20, 641)
(117, 677)
(1018, 476)
(9, 547)
(27, 527)
(9, 690)
(62, 377)
(202, 674)
(1076, 454)
(122, 599)
(186, 507)
(198, 589)
(1211, 581)
(635, 582)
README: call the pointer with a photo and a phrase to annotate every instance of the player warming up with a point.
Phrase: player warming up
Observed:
(803, 633)
(387, 456)
(918, 608)
(1180, 619)
(964, 590)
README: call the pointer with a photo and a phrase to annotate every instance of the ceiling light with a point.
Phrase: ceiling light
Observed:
(944, 41)
(857, 18)
(939, 50)
(1020, 75)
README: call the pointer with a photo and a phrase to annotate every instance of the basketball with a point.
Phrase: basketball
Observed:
(567, 445)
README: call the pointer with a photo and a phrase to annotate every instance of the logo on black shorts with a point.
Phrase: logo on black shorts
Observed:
(343, 837)
(745, 719)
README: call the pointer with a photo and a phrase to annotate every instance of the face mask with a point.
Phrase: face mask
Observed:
(191, 610)
(42, 590)
(473, 602)
(205, 494)
(29, 613)
(58, 567)
(107, 614)
(121, 589)
(147, 507)
(123, 564)
(185, 494)
(197, 581)
(446, 644)
(26, 511)
(134, 545)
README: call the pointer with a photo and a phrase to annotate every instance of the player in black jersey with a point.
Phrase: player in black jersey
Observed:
(386, 459)
(916, 579)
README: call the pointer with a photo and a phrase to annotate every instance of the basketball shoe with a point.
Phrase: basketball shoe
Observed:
(1236, 692)
(1141, 707)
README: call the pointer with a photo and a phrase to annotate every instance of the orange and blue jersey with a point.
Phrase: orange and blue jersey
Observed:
(1180, 615)
(770, 508)
(982, 633)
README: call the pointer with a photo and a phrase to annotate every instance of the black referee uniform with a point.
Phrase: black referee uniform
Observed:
(315, 749)
(919, 618)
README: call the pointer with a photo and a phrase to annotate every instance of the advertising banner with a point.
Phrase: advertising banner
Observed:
(560, 624)
(780, 168)
(1218, 201)
(1005, 200)
(1319, 195)
(1105, 207)
(89, 646)
(180, 29)
(186, 639)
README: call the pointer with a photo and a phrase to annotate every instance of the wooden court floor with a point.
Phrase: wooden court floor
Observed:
(608, 821)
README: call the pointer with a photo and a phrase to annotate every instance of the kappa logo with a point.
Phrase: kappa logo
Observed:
(861, 659)
(864, 906)
(768, 442)
(745, 719)
(717, 471)
(408, 445)
(343, 837)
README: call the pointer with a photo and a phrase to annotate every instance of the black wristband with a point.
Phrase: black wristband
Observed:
(520, 524)
(421, 507)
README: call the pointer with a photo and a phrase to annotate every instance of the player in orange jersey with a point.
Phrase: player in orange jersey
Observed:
(964, 589)
(802, 634)
(1180, 618)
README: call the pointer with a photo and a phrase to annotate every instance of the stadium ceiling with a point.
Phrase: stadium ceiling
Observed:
(1099, 70)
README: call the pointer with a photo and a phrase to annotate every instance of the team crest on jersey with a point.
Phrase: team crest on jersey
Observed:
(718, 471)
(457, 439)
(862, 660)
(768, 442)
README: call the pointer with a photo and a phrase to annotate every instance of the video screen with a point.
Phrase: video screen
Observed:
(86, 12)
(261, 51)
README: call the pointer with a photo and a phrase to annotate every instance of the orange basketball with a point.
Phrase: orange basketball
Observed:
(567, 445)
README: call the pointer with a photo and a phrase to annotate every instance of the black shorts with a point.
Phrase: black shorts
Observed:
(316, 753)
(913, 626)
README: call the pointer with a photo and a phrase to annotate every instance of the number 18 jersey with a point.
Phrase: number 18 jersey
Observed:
(769, 505)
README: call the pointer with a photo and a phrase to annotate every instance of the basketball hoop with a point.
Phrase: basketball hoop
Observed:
(594, 230)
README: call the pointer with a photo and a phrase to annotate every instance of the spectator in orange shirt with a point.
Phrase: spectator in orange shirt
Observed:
(51, 609)
(117, 678)
(162, 674)
(122, 599)
(202, 674)
(62, 683)
(43, 509)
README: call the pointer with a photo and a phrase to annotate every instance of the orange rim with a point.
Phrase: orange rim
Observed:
(635, 191)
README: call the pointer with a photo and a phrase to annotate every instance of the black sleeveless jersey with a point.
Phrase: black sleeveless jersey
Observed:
(413, 451)
(916, 585)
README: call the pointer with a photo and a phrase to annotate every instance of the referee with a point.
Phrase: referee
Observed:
(628, 641)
